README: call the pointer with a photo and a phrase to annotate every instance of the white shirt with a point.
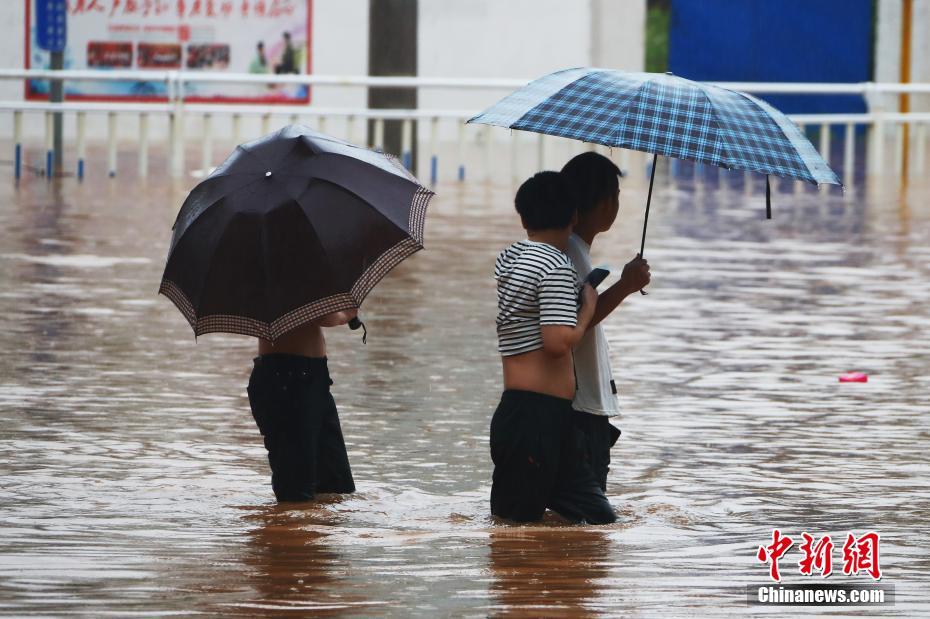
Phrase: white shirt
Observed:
(597, 393)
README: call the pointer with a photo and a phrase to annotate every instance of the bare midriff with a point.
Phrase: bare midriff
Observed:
(306, 341)
(539, 371)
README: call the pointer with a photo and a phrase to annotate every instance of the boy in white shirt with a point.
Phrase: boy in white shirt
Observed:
(594, 183)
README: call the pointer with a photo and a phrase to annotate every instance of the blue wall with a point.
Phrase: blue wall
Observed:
(775, 41)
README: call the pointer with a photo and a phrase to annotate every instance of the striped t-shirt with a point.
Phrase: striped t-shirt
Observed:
(536, 286)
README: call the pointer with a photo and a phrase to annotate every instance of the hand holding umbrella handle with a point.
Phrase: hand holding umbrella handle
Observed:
(355, 323)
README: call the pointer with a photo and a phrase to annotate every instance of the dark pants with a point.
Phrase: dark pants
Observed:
(539, 462)
(600, 436)
(296, 414)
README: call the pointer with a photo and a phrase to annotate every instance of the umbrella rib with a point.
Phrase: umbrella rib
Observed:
(615, 142)
(254, 156)
(319, 242)
(412, 180)
(206, 277)
(721, 143)
(756, 107)
(206, 208)
(781, 129)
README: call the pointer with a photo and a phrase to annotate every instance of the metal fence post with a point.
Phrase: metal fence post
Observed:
(461, 147)
(143, 145)
(849, 154)
(406, 143)
(825, 149)
(207, 153)
(488, 152)
(49, 145)
(434, 150)
(379, 134)
(878, 146)
(236, 128)
(17, 144)
(111, 144)
(177, 124)
(350, 128)
(899, 135)
(81, 144)
(920, 143)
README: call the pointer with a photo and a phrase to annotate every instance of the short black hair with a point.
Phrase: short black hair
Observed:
(544, 203)
(590, 177)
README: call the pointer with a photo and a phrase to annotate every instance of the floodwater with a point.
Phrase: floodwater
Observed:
(133, 481)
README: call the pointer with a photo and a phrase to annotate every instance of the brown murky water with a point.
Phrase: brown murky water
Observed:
(133, 480)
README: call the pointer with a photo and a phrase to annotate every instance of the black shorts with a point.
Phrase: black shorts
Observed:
(293, 408)
(539, 462)
(600, 436)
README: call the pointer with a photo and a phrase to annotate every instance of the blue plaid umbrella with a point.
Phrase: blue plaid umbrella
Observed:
(664, 115)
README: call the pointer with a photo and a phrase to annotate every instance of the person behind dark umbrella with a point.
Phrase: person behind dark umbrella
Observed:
(286, 237)
(538, 456)
(296, 414)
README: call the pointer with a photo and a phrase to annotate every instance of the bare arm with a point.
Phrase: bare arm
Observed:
(635, 277)
(558, 340)
(337, 319)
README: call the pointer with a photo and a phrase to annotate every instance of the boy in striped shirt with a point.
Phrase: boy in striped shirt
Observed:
(538, 455)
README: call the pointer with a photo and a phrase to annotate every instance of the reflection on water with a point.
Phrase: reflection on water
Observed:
(551, 572)
(133, 481)
(292, 566)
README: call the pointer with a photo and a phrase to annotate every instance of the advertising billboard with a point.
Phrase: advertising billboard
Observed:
(236, 36)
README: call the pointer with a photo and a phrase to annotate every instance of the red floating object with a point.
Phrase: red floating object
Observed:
(854, 377)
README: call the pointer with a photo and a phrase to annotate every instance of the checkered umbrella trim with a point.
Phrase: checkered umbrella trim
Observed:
(401, 170)
(589, 109)
(227, 323)
(818, 167)
(512, 107)
(669, 116)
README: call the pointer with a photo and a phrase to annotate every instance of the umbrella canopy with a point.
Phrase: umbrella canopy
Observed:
(292, 226)
(665, 115)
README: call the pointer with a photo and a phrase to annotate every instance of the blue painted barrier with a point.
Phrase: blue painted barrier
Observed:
(784, 41)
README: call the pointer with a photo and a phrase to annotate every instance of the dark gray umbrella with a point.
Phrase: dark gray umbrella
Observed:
(292, 226)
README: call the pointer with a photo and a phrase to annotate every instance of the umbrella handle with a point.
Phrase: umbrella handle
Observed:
(652, 178)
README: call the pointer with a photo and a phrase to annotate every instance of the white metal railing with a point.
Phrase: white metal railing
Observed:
(176, 110)
(184, 77)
